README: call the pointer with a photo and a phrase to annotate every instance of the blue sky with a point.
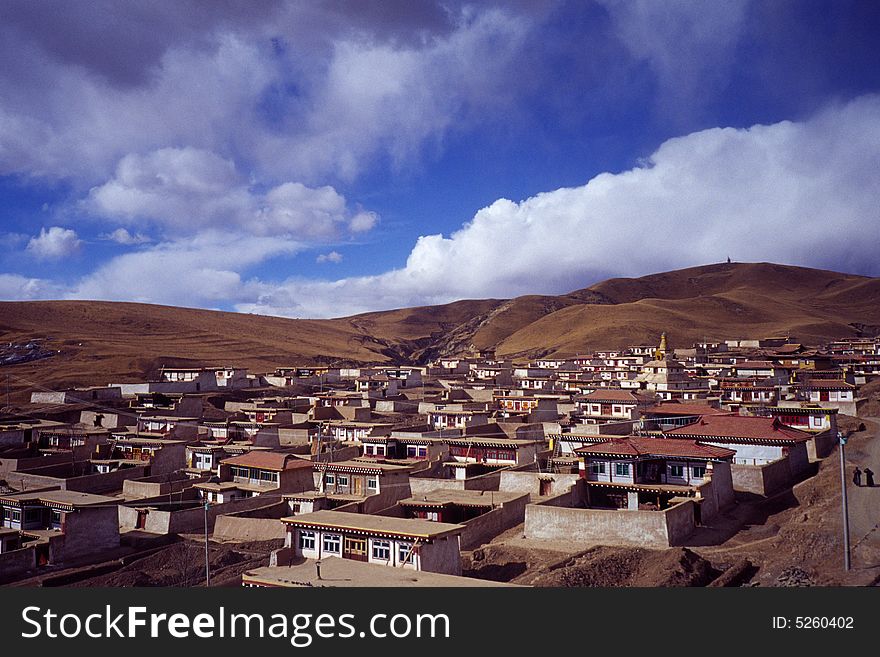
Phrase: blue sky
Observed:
(326, 158)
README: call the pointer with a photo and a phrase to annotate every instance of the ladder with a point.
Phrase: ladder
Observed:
(409, 552)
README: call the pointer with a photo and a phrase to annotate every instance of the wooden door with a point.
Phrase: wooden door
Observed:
(355, 549)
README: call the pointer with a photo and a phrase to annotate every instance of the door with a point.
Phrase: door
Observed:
(357, 485)
(545, 487)
(355, 549)
(141, 519)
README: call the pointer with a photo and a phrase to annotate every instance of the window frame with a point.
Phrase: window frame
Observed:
(402, 550)
(380, 547)
(331, 539)
(307, 536)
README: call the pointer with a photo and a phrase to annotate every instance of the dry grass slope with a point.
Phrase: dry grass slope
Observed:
(104, 341)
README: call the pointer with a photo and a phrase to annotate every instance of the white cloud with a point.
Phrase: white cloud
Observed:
(12, 240)
(204, 270)
(798, 193)
(792, 192)
(333, 257)
(22, 288)
(122, 236)
(186, 190)
(389, 99)
(329, 102)
(54, 243)
(688, 44)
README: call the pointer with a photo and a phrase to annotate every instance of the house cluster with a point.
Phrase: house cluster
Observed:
(403, 467)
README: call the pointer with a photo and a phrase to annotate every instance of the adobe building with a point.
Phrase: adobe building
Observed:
(398, 542)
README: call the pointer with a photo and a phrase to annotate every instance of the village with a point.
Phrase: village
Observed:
(403, 475)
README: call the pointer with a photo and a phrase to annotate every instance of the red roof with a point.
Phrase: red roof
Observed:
(611, 395)
(738, 426)
(640, 446)
(265, 460)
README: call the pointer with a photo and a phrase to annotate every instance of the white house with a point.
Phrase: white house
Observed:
(397, 542)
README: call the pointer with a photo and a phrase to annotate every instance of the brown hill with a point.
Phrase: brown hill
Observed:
(101, 342)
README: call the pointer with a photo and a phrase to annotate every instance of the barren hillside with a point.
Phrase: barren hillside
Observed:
(105, 341)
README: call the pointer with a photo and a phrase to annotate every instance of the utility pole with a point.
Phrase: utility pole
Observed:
(207, 563)
(847, 564)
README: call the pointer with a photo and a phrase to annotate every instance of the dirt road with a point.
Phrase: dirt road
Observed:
(864, 502)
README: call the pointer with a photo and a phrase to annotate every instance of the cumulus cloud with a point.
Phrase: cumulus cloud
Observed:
(204, 270)
(792, 192)
(23, 288)
(333, 257)
(185, 190)
(54, 243)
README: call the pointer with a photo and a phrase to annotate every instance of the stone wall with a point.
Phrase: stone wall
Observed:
(653, 529)
(530, 482)
(422, 485)
(17, 562)
(761, 479)
(91, 483)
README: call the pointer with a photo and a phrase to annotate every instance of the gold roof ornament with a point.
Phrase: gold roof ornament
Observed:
(660, 352)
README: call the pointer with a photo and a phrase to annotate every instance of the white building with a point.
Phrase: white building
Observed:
(397, 542)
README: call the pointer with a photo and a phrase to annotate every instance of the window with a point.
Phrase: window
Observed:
(342, 480)
(405, 553)
(676, 471)
(332, 543)
(423, 451)
(329, 479)
(411, 450)
(306, 540)
(373, 483)
(382, 550)
(368, 449)
(380, 450)
(621, 469)
(698, 471)
(32, 515)
(597, 467)
(268, 476)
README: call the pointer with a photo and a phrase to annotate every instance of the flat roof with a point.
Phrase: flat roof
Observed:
(347, 572)
(62, 498)
(442, 497)
(317, 495)
(369, 524)
(353, 465)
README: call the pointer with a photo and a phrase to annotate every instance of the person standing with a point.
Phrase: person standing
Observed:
(869, 477)
(857, 477)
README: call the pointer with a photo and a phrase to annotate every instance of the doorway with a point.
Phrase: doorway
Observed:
(355, 549)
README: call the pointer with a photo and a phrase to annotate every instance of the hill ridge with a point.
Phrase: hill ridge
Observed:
(103, 342)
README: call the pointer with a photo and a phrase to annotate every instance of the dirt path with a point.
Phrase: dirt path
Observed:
(864, 502)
